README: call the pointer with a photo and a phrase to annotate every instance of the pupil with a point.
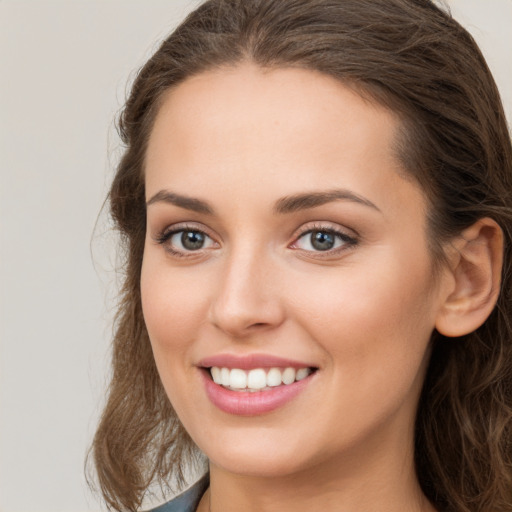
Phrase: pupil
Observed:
(322, 241)
(192, 240)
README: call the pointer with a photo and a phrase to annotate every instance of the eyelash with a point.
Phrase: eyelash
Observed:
(348, 241)
(163, 238)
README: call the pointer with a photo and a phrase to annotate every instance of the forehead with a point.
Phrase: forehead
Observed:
(272, 132)
(247, 97)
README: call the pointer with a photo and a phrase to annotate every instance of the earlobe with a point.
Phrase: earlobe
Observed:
(475, 271)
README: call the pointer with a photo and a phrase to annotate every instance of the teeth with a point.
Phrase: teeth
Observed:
(216, 372)
(274, 377)
(289, 376)
(224, 376)
(257, 379)
(237, 379)
(301, 374)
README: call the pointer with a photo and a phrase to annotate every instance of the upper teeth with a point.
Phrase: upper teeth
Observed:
(258, 378)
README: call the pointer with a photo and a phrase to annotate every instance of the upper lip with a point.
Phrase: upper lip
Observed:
(250, 361)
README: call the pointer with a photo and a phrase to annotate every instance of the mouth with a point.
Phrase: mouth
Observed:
(257, 379)
(254, 384)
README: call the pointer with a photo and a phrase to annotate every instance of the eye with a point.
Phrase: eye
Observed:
(185, 241)
(190, 240)
(323, 240)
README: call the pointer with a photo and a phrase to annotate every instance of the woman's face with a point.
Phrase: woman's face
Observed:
(281, 233)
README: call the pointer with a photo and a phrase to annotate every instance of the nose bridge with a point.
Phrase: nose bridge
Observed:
(246, 296)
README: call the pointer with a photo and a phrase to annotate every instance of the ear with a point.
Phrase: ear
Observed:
(475, 260)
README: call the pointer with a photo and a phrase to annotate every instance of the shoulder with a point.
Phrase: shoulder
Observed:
(188, 500)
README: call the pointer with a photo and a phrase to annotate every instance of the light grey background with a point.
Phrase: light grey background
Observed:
(64, 66)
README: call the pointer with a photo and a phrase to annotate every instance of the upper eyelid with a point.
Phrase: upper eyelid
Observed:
(185, 226)
(308, 227)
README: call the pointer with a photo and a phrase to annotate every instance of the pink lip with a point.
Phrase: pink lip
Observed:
(250, 361)
(244, 403)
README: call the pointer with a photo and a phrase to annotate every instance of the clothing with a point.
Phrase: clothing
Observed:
(188, 500)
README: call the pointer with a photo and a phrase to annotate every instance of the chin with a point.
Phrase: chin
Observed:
(259, 465)
(256, 454)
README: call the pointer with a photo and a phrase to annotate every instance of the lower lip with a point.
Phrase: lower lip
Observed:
(244, 403)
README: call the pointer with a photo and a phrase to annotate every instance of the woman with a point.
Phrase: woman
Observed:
(315, 199)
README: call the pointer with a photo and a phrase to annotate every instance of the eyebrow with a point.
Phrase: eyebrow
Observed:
(308, 200)
(188, 203)
(288, 204)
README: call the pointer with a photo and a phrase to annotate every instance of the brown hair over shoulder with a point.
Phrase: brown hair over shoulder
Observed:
(414, 58)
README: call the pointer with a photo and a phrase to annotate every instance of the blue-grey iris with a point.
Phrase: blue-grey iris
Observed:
(192, 240)
(322, 240)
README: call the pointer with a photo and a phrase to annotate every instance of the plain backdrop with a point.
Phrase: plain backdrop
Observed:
(64, 69)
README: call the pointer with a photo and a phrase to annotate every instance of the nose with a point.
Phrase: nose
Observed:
(248, 297)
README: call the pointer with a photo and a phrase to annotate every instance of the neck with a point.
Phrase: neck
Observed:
(251, 495)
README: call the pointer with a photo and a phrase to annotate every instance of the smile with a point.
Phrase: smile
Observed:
(254, 384)
(257, 379)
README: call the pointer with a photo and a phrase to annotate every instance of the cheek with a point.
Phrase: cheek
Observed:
(174, 309)
(173, 304)
(375, 323)
(374, 329)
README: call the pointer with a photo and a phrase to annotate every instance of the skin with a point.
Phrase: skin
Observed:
(241, 139)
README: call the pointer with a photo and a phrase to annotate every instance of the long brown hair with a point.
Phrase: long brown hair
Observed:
(412, 57)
